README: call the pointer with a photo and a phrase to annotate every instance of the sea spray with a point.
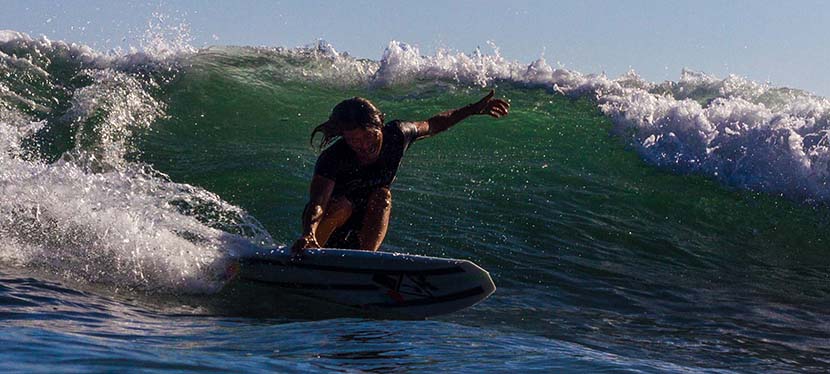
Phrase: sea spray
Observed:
(87, 211)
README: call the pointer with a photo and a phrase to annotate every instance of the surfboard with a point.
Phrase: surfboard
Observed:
(382, 283)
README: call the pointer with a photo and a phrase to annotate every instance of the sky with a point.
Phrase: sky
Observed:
(783, 43)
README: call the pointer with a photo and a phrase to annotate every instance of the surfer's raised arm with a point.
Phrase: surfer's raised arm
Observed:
(440, 122)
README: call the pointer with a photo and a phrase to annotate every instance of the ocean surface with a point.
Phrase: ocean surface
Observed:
(629, 226)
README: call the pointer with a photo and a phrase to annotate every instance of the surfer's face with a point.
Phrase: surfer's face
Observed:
(365, 142)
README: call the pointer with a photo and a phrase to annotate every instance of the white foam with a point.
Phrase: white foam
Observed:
(749, 135)
(92, 215)
(128, 107)
(103, 228)
(160, 48)
(124, 227)
(745, 134)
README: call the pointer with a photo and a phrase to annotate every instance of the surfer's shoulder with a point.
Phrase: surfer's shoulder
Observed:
(407, 129)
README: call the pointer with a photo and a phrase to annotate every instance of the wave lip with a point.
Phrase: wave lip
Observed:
(742, 133)
(739, 132)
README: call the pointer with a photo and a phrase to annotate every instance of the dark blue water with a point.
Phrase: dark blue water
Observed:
(48, 327)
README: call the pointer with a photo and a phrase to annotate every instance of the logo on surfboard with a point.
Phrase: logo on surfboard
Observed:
(402, 285)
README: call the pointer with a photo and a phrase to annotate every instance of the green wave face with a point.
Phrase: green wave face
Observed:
(547, 182)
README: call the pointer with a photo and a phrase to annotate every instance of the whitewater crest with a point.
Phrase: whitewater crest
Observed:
(742, 133)
(73, 200)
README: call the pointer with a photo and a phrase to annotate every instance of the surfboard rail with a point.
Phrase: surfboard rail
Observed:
(383, 283)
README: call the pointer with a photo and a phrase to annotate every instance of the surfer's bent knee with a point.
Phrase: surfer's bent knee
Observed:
(340, 207)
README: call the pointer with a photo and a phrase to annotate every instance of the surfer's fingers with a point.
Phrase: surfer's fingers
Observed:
(502, 111)
(500, 103)
(499, 106)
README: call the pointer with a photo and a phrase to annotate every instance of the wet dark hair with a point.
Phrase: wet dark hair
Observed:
(350, 114)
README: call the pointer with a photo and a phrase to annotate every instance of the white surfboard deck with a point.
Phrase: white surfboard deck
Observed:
(383, 283)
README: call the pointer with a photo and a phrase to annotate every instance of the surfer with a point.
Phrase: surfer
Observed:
(350, 197)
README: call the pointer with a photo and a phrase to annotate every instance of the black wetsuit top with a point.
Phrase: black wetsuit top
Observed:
(355, 182)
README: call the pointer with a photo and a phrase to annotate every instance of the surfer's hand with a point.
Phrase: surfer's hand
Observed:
(492, 107)
(304, 242)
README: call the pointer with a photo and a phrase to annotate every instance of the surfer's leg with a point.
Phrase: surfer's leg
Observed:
(376, 220)
(337, 213)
